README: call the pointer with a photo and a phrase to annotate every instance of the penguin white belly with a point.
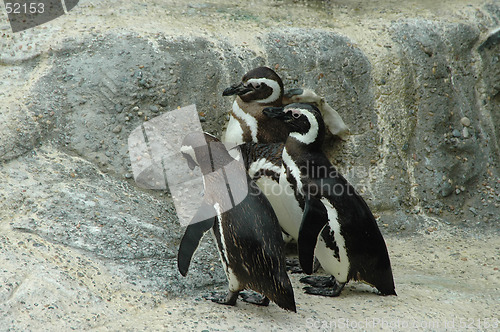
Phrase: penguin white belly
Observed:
(335, 264)
(292, 213)
(271, 189)
(234, 284)
(234, 132)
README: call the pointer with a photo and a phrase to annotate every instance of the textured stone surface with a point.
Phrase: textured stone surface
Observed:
(81, 246)
(68, 201)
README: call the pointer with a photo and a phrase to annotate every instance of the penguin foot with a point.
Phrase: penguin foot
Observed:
(301, 96)
(319, 281)
(324, 286)
(330, 292)
(229, 299)
(255, 298)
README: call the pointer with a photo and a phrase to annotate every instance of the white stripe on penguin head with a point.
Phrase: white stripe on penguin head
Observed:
(270, 83)
(312, 133)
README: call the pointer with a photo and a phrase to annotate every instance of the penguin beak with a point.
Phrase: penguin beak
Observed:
(277, 113)
(238, 89)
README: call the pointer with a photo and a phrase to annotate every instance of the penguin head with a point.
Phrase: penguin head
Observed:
(261, 85)
(303, 120)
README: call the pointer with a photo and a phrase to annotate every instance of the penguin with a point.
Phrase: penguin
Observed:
(259, 88)
(247, 234)
(331, 220)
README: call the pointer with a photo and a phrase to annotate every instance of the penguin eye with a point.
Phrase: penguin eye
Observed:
(256, 85)
(296, 115)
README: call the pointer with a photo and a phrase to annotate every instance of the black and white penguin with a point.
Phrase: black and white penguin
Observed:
(330, 219)
(248, 235)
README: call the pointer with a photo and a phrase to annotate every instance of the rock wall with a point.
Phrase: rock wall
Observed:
(422, 100)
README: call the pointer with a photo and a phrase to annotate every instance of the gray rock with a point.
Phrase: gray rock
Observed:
(465, 132)
(117, 129)
(473, 210)
(77, 206)
(465, 121)
(438, 56)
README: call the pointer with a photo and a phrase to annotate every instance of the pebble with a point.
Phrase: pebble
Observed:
(465, 132)
(117, 129)
(474, 211)
(118, 108)
(446, 190)
(465, 121)
(128, 176)
(153, 109)
(456, 133)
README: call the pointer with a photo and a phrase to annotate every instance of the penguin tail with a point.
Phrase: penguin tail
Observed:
(285, 298)
(383, 281)
(287, 303)
(387, 289)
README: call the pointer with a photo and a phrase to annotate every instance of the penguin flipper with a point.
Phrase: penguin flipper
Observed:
(190, 241)
(314, 219)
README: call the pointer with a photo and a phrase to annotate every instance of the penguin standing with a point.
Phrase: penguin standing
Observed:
(247, 234)
(331, 220)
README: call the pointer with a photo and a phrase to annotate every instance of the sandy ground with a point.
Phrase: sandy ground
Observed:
(444, 281)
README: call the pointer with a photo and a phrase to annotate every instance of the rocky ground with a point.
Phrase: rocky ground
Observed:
(82, 246)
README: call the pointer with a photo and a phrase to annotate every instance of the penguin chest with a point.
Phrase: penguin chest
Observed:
(242, 126)
(267, 185)
(234, 132)
(292, 212)
(331, 248)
